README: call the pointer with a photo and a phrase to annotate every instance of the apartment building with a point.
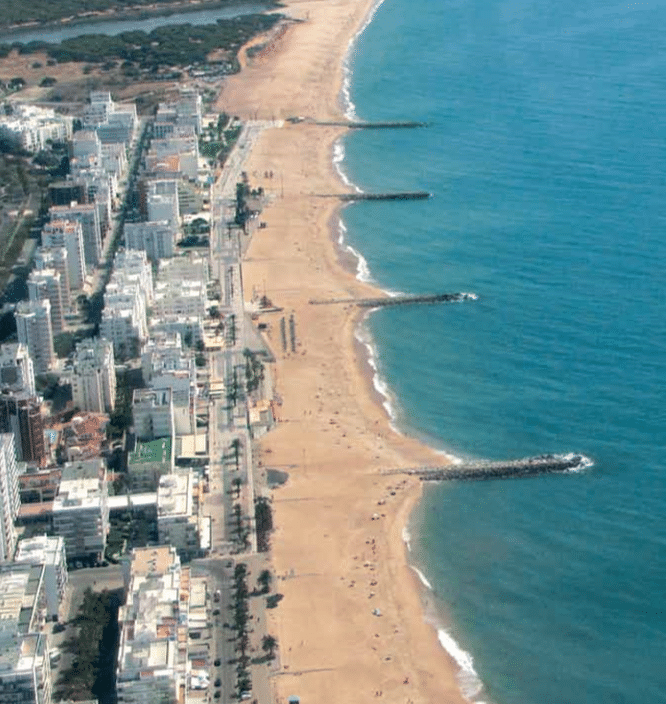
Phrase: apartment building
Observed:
(81, 511)
(48, 551)
(94, 376)
(16, 369)
(9, 496)
(68, 234)
(156, 239)
(33, 325)
(21, 415)
(46, 283)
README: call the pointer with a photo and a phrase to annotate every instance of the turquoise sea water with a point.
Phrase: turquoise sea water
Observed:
(545, 154)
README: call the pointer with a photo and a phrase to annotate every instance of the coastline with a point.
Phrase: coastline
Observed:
(339, 548)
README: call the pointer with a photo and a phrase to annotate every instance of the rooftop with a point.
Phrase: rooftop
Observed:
(151, 451)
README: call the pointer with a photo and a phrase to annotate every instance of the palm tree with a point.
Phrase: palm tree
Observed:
(269, 645)
(264, 581)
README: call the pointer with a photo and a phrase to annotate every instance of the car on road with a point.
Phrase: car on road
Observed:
(217, 663)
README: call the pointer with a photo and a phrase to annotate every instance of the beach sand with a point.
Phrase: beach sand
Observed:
(338, 548)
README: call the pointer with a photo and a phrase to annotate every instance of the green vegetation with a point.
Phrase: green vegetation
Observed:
(121, 418)
(14, 11)
(127, 532)
(96, 624)
(163, 48)
(254, 370)
(263, 518)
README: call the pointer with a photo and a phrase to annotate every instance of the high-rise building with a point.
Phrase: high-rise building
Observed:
(152, 410)
(33, 325)
(46, 284)
(153, 649)
(25, 668)
(88, 216)
(56, 258)
(81, 510)
(21, 415)
(156, 239)
(9, 496)
(68, 234)
(94, 376)
(16, 369)
(50, 552)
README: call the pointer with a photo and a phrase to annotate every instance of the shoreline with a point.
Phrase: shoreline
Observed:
(418, 668)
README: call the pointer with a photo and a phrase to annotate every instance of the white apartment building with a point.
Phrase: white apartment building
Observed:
(48, 551)
(185, 111)
(127, 297)
(94, 376)
(88, 216)
(190, 328)
(159, 349)
(132, 266)
(187, 267)
(123, 329)
(81, 511)
(152, 412)
(55, 258)
(25, 668)
(85, 144)
(46, 283)
(180, 298)
(112, 121)
(9, 496)
(31, 128)
(68, 234)
(178, 521)
(156, 239)
(163, 206)
(16, 369)
(33, 324)
(153, 651)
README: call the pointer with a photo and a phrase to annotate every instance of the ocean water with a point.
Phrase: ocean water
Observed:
(546, 156)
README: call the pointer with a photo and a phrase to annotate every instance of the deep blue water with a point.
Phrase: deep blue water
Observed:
(546, 155)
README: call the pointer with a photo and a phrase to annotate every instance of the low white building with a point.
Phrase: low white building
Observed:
(31, 128)
(48, 551)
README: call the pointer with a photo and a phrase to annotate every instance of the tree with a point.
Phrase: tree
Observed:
(264, 581)
(269, 645)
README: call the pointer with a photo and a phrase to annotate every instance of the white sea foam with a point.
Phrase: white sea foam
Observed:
(407, 538)
(468, 679)
(379, 384)
(338, 158)
(362, 268)
(422, 578)
(345, 93)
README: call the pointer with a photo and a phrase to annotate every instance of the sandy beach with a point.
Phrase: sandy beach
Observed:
(338, 549)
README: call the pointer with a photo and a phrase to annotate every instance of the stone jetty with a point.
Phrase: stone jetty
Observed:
(503, 469)
(403, 299)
